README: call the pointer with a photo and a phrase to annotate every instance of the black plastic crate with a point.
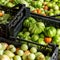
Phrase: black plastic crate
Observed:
(56, 16)
(17, 12)
(50, 49)
(46, 20)
(16, 28)
(59, 55)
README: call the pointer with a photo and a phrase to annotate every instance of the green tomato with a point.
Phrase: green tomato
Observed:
(37, 4)
(9, 53)
(20, 52)
(49, 4)
(50, 31)
(55, 0)
(41, 25)
(25, 23)
(41, 41)
(27, 38)
(56, 40)
(11, 48)
(24, 47)
(29, 22)
(58, 32)
(32, 20)
(51, 14)
(16, 1)
(37, 28)
(9, 4)
(53, 4)
(33, 50)
(31, 56)
(27, 33)
(57, 12)
(17, 57)
(4, 2)
(47, 57)
(20, 34)
(39, 55)
(35, 37)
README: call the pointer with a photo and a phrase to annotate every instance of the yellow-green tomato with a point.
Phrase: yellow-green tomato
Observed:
(58, 32)
(47, 57)
(11, 58)
(9, 53)
(55, 0)
(56, 7)
(49, 4)
(31, 56)
(11, 48)
(9, 4)
(37, 54)
(4, 57)
(24, 47)
(40, 56)
(4, 46)
(57, 12)
(17, 57)
(1, 52)
(24, 57)
(20, 52)
(33, 50)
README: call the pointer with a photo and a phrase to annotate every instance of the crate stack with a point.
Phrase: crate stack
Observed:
(37, 33)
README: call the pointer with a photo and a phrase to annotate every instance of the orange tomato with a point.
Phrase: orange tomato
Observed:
(44, 14)
(34, 11)
(48, 39)
(17, 49)
(1, 14)
(38, 11)
(27, 52)
(45, 7)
